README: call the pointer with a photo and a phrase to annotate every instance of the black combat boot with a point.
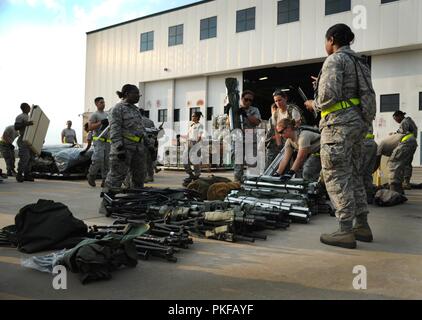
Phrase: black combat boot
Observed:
(362, 230)
(406, 184)
(91, 181)
(29, 177)
(344, 237)
(397, 187)
(20, 178)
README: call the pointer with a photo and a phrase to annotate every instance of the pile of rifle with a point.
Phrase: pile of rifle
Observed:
(296, 199)
(183, 208)
(160, 241)
(8, 237)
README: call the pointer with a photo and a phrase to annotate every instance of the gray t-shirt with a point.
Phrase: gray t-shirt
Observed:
(69, 135)
(306, 139)
(9, 134)
(98, 116)
(22, 118)
(387, 145)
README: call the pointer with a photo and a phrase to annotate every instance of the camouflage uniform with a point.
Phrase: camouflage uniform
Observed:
(100, 157)
(6, 148)
(272, 148)
(127, 134)
(342, 135)
(26, 156)
(408, 126)
(305, 139)
(400, 150)
(150, 163)
(247, 126)
(369, 159)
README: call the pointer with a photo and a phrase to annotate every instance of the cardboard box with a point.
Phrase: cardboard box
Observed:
(35, 135)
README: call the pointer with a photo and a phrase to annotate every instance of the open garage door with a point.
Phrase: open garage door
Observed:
(265, 81)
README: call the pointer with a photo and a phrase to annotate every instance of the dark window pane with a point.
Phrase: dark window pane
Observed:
(212, 33)
(147, 41)
(420, 101)
(212, 22)
(176, 115)
(245, 20)
(387, 1)
(172, 31)
(336, 6)
(146, 113)
(210, 113)
(390, 102)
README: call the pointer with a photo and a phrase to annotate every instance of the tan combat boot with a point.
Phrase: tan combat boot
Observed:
(362, 230)
(344, 237)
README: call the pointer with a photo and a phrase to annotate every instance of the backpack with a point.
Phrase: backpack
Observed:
(291, 107)
(366, 91)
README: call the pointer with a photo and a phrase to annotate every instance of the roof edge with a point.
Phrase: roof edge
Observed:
(150, 16)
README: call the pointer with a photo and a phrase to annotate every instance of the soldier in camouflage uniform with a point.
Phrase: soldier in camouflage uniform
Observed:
(407, 126)
(150, 144)
(7, 149)
(127, 133)
(273, 143)
(26, 156)
(98, 123)
(251, 119)
(306, 142)
(400, 149)
(369, 158)
(343, 129)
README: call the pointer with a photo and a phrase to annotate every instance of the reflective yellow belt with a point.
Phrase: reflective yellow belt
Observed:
(316, 154)
(101, 139)
(370, 136)
(410, 135)
(133, 138)
(340, 105)
(3, 143)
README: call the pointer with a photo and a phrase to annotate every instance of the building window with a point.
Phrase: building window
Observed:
(387, 1)
(176, 115)
(162, 115)
(176, 35)
(147, 41)
(420, 101)
(336, 6)
(146, 113)
(209, 28)
(245, 20)
(288, 11)
(390, 102)
(210, 113)
(192, 111)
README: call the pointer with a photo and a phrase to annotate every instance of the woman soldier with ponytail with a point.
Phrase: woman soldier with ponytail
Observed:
(343, 90)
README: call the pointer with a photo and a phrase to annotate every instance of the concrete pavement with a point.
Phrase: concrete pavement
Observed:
(291, 264)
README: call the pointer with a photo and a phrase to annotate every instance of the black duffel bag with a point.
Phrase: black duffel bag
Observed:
(48, 225)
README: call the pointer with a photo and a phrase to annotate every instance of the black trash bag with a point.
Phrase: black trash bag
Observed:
(48, 225)
(95, 259)
(388, 198)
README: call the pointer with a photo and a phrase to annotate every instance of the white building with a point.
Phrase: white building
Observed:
(181, 57)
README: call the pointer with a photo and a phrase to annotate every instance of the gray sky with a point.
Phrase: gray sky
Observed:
(42, 56)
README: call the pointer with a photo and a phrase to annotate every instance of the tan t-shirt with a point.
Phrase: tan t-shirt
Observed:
(387, 145)
(306, 139)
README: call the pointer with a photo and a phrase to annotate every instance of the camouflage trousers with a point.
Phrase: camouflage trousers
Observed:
(312, 168)
(150, 165)
(369, 159)
(341, 159)
(271, 153)
(408, 171)
(26, 157)
(133, 165)
(400, 159)
(8, 155)
(100, 159)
